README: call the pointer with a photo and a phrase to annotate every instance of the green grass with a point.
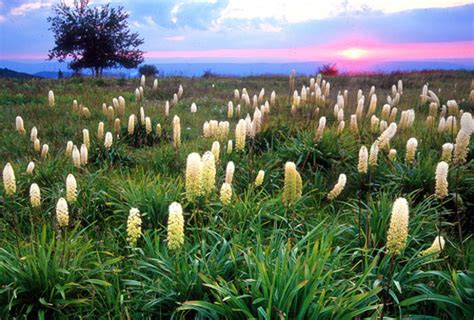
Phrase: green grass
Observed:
(254, 258)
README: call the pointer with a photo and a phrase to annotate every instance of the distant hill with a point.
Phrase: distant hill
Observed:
(7, 73)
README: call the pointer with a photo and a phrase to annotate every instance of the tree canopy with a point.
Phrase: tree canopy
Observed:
(94, 38)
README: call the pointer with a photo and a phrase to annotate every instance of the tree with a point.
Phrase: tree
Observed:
(94, 37)
(329, 69)
(148, 70)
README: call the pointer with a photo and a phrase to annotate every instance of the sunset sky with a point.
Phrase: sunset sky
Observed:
(359, 31)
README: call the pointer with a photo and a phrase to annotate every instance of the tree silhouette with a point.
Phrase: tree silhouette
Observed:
(94, 37)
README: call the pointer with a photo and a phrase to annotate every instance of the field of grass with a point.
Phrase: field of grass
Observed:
(274, 251)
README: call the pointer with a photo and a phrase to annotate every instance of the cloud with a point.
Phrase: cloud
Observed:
(29, 6)
(174, 38)
(2, 18)
(266, 27)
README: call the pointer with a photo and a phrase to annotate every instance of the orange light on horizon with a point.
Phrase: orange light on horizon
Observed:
(354, 53)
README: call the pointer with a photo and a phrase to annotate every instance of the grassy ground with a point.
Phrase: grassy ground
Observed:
(255, 257)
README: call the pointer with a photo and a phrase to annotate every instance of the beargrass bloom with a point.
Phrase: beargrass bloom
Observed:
(216, 150)
(76, 157)
(175, 227)
(447, 152)
(240, 133)
(69, 146)
(398, 230)
(193, 176)
(100, 131)
(293, 186)
(208, 172)
(436, 247)
(109, 139)
(131, 124)
(35, 196)
(33, 134)
(51, 98)
(373, 155)
(9, 182)
(259, 179)
(338, 188)
(71, 189)
(62, 213)
(176, 132)
(321, 127)
(362, 166)
(134, 227)
(30, 168)
(44, 151)
(84, 154)
(229, 147)
(226, 193)
(20, 125)
(392, 155)
(441, 177)
(412, 144)
(148, 127)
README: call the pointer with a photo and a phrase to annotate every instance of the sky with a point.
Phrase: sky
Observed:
(351, 32)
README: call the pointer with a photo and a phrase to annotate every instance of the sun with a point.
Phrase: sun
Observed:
(354, 53)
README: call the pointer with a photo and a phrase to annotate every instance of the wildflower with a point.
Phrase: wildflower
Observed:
(362, 166)
(108, 140)
(193, 176)
(447, 152)
(229, 172)
(19, 125)
(76, 157)
(167, 108)
(398, 230)
(33, 134)
(320, 130)
(30, 168)
(336, 191)
(208, 172)
(373, 155)
(451, 125)
(142, 116)
(75, 106)
(272, 98)
(230, 110)
(216, 150)
(176, 132)
(155, 85)
(71, 189)
(35, 196)
(193, 108)
(293, 184)
(137, 95)
(226, 193)
(353, 124)
(84, 154)
(44, 151)
(392, 154)
(100, 131)
(142, 80)
(121, 101)
(341, 126)
(461, 147)
(148, 128)
(412, 144)
(240, 133)
(442, 125)
(436, 247)
(158, 130)
(110, 113)
(180, 91)
(229, 147)
(134, 227)
(62, 213)
(9, 182)
(441, 177)
(117, 126)
(85, 138)
(259, 178)
(131, 124)
(51, 98)
(175, 227)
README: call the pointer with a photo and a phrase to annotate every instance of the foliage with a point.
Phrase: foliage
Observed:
(95, 38)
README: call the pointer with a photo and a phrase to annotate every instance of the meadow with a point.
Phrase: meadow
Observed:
(326, 204)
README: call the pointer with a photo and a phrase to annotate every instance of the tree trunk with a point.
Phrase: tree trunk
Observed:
(97, 72)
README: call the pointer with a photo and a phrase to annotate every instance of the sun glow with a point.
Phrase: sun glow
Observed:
(354, 53)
